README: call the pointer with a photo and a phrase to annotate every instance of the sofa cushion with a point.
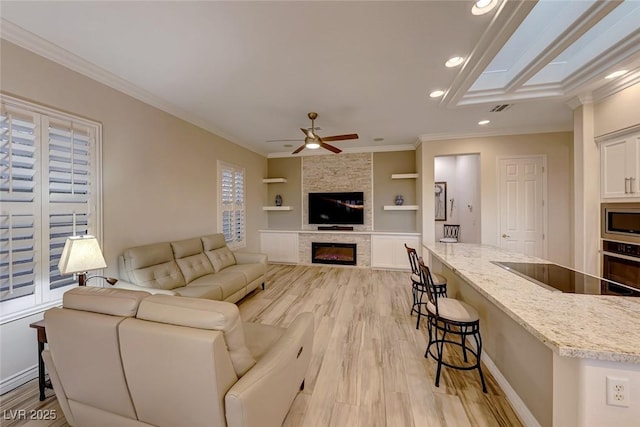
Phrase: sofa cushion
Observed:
(229, 282)
(153, 266)
(213, 241)
(260, 338)
(203, 314)
(187, 247)
(250, 271)
(221, 258)
(194, 266)
(213, 292)
(115, 302)
(147, 255)
(161, 276)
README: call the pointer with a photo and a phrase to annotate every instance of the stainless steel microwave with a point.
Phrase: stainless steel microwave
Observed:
(621, 221)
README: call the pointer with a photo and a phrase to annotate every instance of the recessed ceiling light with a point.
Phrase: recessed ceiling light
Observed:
(436, 93)
(454, 61)
(616, 74)
(378, 139)
(288, 145)
(483, 6)
(484, 122)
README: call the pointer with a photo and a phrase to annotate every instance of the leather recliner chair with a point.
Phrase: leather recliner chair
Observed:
(128, 358)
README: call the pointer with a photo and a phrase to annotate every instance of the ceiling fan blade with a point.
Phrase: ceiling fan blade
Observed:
(299, 149)
(329, 147)
(340, 137)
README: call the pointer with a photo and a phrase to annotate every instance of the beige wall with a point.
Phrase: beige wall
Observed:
(159, 172)
(617, 111)
(558, 149)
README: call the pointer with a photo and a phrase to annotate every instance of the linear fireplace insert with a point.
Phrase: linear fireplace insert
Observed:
(333, 253)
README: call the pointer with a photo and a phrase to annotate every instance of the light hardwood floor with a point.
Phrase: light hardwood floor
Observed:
(368, 366)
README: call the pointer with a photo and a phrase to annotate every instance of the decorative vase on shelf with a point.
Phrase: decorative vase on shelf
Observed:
(399, 200)
(278, 200)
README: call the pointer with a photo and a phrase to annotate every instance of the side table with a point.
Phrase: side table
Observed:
(42, 340)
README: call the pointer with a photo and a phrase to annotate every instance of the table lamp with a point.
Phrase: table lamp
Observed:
(82, 254)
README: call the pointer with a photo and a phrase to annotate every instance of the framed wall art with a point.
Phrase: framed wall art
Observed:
(440, 201)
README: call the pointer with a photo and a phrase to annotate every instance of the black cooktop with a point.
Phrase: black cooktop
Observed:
(555, 277)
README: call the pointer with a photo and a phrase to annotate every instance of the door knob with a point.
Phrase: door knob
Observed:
(504, 236)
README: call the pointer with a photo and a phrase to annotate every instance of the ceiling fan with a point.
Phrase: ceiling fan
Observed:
(312, 140)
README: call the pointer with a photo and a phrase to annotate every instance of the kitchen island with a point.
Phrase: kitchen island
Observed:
(550, 351)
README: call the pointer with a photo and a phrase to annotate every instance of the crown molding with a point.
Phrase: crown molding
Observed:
(529, 93)
(496, 132)
(617, 85)
(505, 21)
(27, 40)
(351, 150)
(580, 100)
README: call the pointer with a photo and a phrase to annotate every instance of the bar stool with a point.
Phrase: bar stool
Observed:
(451, 316)
(451, 233)
(417, 288)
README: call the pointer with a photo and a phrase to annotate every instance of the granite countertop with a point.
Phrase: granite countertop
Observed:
(602, 327)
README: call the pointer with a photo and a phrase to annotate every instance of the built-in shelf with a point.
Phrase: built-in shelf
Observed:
(400, 207)
(404, 176)
(276, 208)
(273, 180)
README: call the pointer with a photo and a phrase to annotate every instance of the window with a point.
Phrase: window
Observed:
(231, 212)
(49, 190)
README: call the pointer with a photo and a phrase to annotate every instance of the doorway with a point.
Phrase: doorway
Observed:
(457, 195)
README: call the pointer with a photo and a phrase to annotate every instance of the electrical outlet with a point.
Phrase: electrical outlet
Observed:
(618, 391)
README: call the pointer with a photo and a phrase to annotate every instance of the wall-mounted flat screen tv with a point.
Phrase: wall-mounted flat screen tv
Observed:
(336, 208)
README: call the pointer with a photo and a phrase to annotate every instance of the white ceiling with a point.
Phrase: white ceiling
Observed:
(251, 71)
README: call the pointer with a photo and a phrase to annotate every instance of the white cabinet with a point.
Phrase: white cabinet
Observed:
(620, 167)
(388, 251)
(280, 246)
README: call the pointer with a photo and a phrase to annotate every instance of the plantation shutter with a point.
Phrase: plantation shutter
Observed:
(239, 200)
(69, 148)
(232, 204)
(18, 165)
(227, 203)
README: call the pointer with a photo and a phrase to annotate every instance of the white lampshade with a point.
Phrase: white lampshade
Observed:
(81, 254)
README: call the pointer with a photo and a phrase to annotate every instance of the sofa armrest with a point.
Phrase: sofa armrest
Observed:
(250, 258)
(263, 396)
(126, 285)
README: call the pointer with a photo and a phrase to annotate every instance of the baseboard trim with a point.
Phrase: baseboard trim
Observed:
(518, 405)
(18, 379)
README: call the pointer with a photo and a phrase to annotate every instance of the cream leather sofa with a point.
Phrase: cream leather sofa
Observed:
(202, 267)
(127, 358)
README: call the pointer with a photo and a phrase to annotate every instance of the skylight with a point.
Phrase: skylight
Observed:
(549, 26)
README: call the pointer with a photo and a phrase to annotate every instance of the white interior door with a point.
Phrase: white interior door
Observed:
(521, 205)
